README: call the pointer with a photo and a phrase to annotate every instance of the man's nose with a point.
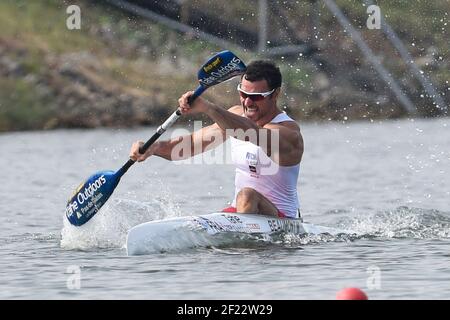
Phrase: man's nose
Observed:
(248, 102)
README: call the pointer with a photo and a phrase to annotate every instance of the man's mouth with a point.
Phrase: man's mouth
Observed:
(252, 109)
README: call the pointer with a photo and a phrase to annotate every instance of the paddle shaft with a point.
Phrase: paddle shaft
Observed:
(161, 129)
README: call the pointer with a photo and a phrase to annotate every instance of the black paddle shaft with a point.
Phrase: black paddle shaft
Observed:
(160, 131)
(152, 139)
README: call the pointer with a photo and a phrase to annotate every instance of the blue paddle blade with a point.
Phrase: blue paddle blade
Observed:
(90, 196)
(223, 66)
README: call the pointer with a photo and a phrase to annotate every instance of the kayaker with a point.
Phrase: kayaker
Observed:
(266, 144)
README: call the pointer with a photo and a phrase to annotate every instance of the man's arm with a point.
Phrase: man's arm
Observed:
(229, 120)
(282, 142)
(289, 151)
(184, 147)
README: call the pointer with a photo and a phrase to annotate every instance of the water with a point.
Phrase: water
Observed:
(387, 180)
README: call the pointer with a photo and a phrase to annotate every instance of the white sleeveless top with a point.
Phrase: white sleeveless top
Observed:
(256, 170)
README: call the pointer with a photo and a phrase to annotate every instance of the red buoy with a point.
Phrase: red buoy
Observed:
(351, 294)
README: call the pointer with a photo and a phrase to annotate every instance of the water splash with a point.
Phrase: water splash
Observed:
(295, 241)
(109, 227)
(402, 222)
(399, 223)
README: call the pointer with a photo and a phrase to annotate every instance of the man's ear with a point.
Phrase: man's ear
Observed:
(276, 93)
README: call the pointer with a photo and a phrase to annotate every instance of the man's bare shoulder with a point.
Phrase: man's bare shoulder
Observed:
(291, 125)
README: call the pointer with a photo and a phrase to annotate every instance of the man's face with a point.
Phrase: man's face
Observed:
(256, 107)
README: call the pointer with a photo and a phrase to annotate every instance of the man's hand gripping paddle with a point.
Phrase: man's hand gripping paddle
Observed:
(91, 195)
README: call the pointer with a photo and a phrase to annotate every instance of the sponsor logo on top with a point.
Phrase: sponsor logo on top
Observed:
(220, 73)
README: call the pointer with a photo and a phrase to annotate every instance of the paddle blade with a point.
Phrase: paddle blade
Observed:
(90, 196)
(221, 67)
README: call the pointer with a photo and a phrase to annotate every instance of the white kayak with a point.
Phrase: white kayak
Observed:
(215, 229)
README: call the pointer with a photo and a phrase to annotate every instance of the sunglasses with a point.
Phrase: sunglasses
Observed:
(254, 96)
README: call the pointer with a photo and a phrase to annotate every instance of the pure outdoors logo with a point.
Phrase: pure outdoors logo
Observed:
(228, 69)
(88, 192)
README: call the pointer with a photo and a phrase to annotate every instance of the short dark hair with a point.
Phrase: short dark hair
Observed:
(264, 70)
